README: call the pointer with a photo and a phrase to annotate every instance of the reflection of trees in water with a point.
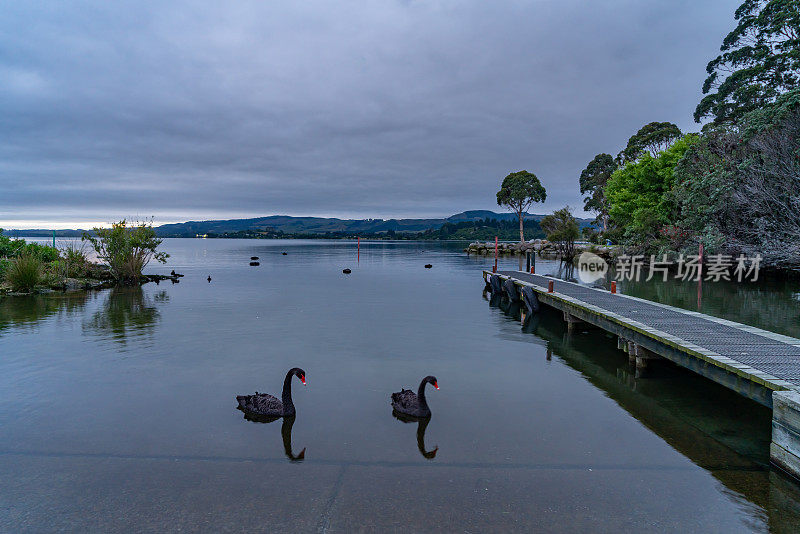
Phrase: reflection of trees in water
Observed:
(29, 310)
(128, 311)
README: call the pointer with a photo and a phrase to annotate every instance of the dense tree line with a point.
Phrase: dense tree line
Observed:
(481, 229)
(735, 186)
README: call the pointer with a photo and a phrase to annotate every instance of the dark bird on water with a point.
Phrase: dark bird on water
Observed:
(254, 264)
(284, 253)
(407, 402)
(253, 257)
(264, 404)
(209, 278)
(346, 271)
(173, 273)
(428, 265)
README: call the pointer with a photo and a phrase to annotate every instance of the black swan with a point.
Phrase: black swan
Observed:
(267, 406)
(407, 402)
(422, 424)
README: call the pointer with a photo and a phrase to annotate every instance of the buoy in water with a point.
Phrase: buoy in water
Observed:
(428, 265)
(209, 278)
(346, 271)
(254, 264)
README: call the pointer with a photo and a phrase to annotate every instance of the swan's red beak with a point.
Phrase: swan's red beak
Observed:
(303, 379)
(436, 385)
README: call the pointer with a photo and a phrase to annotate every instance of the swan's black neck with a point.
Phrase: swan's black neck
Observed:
(286, 396)
(421, 393)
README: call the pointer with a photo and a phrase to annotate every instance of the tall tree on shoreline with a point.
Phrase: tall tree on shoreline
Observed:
(518, 192)
(593, 181)
(760, 60)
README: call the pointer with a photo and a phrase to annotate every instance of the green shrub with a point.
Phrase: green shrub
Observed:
(127, 249)
(45, 253)
(74, 263)
(11, 248)
(24, 272)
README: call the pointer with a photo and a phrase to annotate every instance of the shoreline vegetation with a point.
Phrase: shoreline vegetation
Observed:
(730, 191)
(125, 250)
(734, 187)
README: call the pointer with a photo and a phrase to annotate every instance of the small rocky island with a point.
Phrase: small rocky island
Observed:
(541, 247)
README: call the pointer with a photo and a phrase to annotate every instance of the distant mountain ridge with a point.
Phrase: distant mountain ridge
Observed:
(320, 225)
(303, 225)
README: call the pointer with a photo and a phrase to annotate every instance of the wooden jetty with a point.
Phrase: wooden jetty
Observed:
(761, 365)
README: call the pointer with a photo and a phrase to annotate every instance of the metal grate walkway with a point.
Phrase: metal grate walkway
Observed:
(770, 353)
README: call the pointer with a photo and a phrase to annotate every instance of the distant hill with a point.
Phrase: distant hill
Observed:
(303, 225)
(320, 225)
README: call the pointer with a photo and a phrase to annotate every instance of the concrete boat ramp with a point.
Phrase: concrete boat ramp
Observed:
(761, 365)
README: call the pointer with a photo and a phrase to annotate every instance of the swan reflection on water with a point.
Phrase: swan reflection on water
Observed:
(422, 424)
(286, 433)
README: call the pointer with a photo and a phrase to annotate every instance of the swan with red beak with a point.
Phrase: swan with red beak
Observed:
(266, 405)
(411, 404)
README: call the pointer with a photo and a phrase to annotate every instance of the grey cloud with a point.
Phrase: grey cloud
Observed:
(210, 109)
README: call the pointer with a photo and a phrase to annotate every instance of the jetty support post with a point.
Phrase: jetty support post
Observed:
(784, 451)
(643, 357)
(571, 321)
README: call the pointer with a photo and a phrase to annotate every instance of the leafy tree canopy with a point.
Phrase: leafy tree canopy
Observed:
(637, 191)
(760, 60)
(518, 192)
(593, 181)
(653, 138)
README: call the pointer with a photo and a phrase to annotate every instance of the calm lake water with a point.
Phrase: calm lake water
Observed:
(118, 412)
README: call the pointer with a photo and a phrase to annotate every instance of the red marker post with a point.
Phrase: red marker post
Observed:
(700, 278)
(494, 270)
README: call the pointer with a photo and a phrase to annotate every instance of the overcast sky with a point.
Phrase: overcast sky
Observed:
(198, 110)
